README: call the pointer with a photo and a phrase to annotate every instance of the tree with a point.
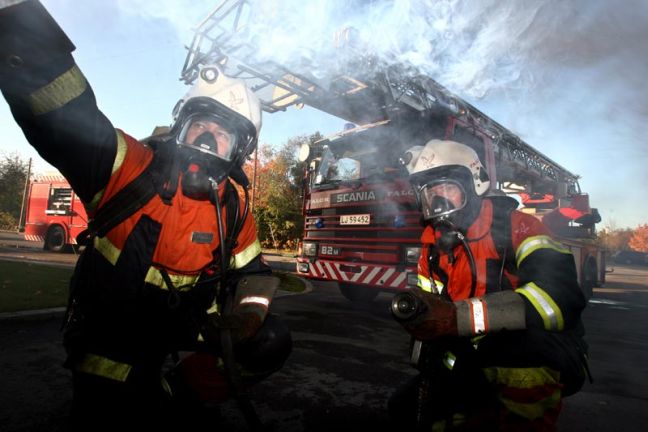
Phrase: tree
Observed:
(615, 239)
(13, 174)
(639, 240)
(278, 192)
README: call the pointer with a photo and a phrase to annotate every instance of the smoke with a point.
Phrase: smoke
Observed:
(583, 58)
(471, 47)
(183, 15)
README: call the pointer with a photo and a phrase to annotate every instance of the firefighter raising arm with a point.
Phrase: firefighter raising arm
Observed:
(51, 99)
(172, 259)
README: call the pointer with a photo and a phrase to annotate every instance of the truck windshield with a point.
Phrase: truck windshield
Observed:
(355, 166)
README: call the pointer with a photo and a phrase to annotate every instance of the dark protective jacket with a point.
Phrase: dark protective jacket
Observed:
(123, 295)
(530, 369)
(542, 270)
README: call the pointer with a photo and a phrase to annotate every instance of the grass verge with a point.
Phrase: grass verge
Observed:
(28, 286)
(289, 282)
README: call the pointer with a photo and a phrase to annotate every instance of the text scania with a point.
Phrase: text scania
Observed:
(353, 197)
(364, 196)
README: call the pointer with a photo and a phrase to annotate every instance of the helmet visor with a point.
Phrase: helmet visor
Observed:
(206, 133)
(441, 198)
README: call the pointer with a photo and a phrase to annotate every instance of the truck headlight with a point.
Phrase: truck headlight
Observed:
(310, 249)
(412, 254)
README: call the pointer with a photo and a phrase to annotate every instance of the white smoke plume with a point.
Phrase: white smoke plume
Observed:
(590, 55)
(472, 48)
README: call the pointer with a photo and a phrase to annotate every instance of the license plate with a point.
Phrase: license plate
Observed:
(358, 219)
(329, 250)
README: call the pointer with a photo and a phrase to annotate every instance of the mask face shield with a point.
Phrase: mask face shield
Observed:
(205, 133)
(441, 198)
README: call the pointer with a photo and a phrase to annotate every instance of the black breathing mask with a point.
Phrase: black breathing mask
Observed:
(450, 235)
(200, 170)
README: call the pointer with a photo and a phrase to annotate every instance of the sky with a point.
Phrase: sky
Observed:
(568, 77)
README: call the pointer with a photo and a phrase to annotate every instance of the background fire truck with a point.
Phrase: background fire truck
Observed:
(361, 225)
(55, 215)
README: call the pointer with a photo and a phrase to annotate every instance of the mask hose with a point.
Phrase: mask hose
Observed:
(473, 266)
(226, 298)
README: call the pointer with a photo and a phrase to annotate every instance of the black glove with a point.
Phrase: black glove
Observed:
(436, 317)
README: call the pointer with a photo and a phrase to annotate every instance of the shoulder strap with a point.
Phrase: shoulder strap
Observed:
(501, 230)
(130, 199)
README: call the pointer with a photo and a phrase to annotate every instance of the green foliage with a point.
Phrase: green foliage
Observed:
(278, 202)
(13, 174)
(7, 221)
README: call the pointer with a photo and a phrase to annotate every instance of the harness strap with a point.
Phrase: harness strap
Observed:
(501, 233)
(129, 199)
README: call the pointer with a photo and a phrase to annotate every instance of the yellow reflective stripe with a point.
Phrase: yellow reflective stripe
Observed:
(547, 308)
(181, 282)
(532, 244)
(214, 308)
(107, 249)
(424, 283)
(449, 360)
(104, 367)
(526, 378)
(166, 386)
(153, 275)
(66, 87)
(242, 258)
(121, 151)
(117, 163)
(522, 378)
(439, 286)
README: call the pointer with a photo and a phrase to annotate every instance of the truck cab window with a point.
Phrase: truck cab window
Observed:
(364, 164)
(59, 201)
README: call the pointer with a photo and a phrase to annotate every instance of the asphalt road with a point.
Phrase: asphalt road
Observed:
(346, 361)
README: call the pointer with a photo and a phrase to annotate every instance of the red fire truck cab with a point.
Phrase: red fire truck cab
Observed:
(361, 221)
(55, 214)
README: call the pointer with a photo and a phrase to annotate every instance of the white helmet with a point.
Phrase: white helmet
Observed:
(444, 175)
(438, 154)
(230, 101)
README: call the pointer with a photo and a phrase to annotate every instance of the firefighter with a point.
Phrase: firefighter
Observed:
(172, 262)
(497, 306)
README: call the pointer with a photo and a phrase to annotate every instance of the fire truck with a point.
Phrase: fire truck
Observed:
(55, 214)
(362, 228)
